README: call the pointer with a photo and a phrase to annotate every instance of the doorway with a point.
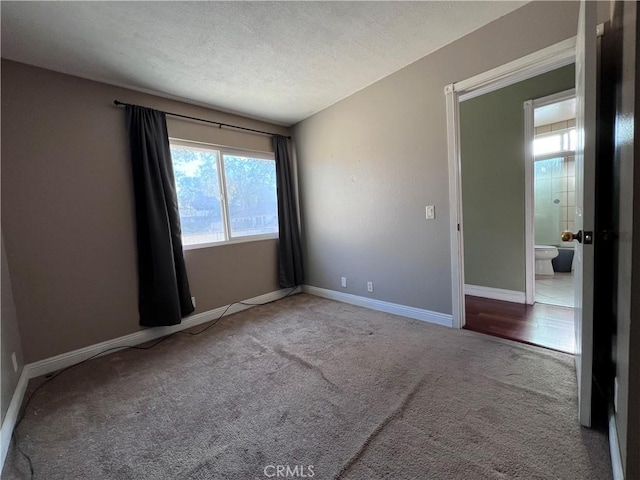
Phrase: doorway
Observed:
(550, 130)
(493, 140)
(582, 50)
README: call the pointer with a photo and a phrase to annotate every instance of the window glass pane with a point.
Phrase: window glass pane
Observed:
(573, 138)
(546, 144)
(198, 190)
(251, 195)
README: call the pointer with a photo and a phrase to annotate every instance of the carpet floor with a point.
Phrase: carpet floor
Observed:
(329, 390)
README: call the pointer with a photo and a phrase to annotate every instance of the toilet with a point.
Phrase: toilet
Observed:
(544, 255)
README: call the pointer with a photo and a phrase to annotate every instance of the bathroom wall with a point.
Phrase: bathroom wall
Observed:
(492, 146)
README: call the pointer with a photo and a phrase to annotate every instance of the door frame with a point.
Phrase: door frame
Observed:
(529, 161)
(543, 61)
(537, 63)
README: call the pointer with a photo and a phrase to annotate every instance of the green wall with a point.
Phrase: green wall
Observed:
(492, 147)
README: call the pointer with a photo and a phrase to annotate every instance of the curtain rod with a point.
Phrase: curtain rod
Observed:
(122, 104)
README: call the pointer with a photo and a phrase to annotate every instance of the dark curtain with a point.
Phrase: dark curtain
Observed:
(163, 296)
(289, 250)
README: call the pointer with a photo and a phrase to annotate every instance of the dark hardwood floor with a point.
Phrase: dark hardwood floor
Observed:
(538, 324)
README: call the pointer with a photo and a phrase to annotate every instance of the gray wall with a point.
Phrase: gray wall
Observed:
(68, 217)
(493, 171)
(627, 172)
(10, 340)
(370, 163)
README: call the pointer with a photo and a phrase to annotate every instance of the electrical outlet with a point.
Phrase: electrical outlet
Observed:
(193, 300)
(15, 361)
(430, 212)
(343, 282)
(369, 286)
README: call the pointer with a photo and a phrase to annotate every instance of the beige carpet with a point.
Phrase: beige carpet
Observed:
(307, 382)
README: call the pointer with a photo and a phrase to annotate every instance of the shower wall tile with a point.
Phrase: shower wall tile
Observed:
(543, 187)
(558, 184)
(561, 198)
(557, 171)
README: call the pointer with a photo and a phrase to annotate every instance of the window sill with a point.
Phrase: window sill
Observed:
(253, 238)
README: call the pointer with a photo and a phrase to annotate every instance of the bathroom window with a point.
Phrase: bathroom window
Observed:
(553, 143)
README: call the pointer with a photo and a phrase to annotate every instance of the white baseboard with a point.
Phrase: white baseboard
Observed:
(52, 364)
(394, 308)
(11, 417)
(614, 447)
(495, 293)
(64, 360)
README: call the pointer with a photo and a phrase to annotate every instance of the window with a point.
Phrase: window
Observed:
(224, 195)
(549, 144)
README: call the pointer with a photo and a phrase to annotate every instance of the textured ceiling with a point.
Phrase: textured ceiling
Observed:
(280, 61)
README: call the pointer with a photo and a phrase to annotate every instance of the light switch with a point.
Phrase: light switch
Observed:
(431, 212)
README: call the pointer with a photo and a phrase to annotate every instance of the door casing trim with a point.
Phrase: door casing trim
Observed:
(542, 61)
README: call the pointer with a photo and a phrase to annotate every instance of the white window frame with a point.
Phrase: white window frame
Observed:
(226, 221)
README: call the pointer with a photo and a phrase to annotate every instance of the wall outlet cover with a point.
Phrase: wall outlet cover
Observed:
(369, 286)
(343, 282)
